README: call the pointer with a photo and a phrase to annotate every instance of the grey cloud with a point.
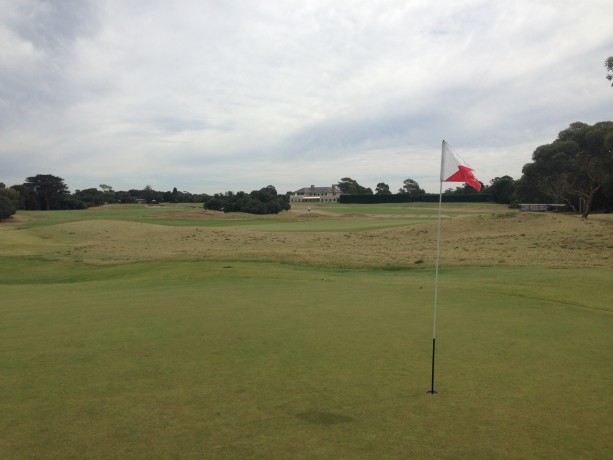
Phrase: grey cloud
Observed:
(249, 93)
(39, 76)
(54, 25)
(363, 131)
(174, 124)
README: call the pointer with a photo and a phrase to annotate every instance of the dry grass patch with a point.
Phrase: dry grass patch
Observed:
(509, 238)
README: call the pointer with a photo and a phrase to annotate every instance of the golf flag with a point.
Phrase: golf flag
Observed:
(454, 169)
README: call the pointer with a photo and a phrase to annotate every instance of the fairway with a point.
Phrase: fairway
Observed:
(129, 333)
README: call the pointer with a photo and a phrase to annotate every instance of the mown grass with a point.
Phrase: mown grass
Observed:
(493, 237)
(193, 215)
(171, 351)
(429, 209)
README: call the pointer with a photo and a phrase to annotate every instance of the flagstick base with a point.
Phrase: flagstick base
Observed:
(431, 390)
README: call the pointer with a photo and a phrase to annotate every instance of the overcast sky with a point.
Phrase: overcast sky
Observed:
(216, 95)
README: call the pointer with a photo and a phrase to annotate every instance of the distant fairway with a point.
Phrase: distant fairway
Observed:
(128, 332)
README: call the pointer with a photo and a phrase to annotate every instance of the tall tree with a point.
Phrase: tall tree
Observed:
(573, 168)
(51, 191)
(411, 187)
(501, 189)
(27, 197)
(382, 189)
(9, 199)
(351, 187)
(608, 63)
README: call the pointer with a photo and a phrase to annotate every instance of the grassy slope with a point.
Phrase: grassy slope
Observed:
(208, 354)
(484, 235)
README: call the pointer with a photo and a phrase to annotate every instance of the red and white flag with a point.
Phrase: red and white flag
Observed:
(455, 169)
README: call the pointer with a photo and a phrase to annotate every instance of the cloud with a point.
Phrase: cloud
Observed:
(216, 95)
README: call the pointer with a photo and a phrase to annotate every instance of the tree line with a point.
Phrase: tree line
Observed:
(46, 192)
(263, 201)
(575, 169)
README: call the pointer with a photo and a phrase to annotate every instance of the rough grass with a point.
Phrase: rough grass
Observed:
(485, 235)
(121, 338)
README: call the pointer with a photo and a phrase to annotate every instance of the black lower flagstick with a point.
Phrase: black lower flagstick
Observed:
(438, 251)
(431, 391)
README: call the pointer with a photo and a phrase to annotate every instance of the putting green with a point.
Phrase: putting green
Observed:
(238, 360)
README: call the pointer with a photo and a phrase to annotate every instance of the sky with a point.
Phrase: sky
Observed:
(215, 95)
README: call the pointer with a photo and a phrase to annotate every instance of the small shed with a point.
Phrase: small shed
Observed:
(542, 207)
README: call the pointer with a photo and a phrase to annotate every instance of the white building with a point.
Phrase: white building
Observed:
(316, 194)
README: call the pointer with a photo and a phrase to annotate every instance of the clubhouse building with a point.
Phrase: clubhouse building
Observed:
(314, 194)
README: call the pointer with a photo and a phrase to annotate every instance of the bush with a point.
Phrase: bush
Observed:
(263, 201)
(9, 199)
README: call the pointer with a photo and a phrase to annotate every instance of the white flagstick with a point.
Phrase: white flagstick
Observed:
(453, 169)
(438, 252)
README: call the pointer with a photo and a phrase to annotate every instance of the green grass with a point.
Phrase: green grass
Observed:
(235, 359)
(361, 216)
(165, 216)
(428, 209)
(353, 225)
(47, 218)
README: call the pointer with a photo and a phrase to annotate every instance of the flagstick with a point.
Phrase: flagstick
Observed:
(438, 252)
(453, 169)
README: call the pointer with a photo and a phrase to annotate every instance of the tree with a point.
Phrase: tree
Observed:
(215, 202)
(106, 188)
(464, 189)
(263, 201)
(124, 197)
(351, 187)
(607, 194)
(90, 196)
(501, 189)
(9, 199)
(411, 188)
(573, 168)
(608, 63)
(27, 197)
(382, 189)
(51, 191)
(148, 194)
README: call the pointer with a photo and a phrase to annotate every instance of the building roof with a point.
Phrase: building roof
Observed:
(313, 189)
